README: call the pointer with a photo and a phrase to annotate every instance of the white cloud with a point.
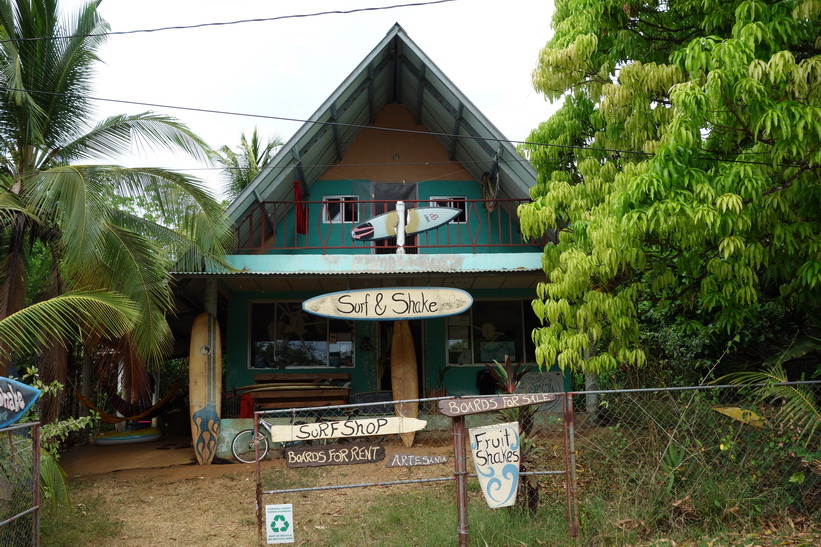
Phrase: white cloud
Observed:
(287, 68)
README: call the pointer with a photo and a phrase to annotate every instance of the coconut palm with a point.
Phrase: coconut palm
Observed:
(58, 194)
(240, 167)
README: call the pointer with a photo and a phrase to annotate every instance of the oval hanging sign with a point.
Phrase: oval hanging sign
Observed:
(390, 304)
(15, 399)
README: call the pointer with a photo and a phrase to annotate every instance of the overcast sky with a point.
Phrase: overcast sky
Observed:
(287, 68)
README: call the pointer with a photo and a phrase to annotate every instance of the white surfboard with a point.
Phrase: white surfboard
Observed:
(419, 220)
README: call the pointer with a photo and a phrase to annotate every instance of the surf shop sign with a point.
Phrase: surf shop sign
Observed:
(15, 399)
(390, 304)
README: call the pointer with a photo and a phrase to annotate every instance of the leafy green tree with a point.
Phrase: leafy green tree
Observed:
(60, 212)
(682, 172)
(241, 166)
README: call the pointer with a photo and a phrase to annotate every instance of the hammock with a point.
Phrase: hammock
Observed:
(151, 412)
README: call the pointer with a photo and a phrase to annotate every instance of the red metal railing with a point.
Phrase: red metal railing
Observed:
(485, 224)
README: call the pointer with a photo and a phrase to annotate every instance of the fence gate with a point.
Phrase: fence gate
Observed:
(298, 435)
(20, 485)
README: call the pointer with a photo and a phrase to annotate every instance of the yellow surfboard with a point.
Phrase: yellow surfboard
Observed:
(205, 386)
(404, 375)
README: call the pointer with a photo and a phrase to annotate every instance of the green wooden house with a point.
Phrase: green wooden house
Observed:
(397, 129)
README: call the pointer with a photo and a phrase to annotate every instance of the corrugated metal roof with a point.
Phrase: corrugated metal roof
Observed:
(409, 264)
(396, 71)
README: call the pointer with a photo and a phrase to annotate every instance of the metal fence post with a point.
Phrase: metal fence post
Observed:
(460, 457)
(570, 466)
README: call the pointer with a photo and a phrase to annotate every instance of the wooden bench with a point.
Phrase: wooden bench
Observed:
(299, 390)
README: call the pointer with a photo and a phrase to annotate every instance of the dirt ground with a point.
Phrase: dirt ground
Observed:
(160, 496)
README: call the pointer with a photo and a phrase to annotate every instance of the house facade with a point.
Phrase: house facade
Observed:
(396, 133)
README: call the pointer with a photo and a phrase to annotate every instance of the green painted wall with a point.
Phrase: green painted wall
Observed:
(459, 380)
(339, 234)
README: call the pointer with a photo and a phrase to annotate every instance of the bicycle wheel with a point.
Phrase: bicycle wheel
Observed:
(243, 446)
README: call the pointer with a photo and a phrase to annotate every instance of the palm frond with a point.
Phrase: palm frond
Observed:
(122, 134)
(64, 316)
(799, 411)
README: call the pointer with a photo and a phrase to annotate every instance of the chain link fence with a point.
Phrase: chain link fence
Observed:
(386, 460)
(636, 459)
(696, 456)
(19, 485)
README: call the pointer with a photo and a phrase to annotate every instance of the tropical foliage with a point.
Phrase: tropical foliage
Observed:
(79, 265)
(241, 166)
(682, 171)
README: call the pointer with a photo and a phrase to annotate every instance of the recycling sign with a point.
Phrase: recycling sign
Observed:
(279, 523)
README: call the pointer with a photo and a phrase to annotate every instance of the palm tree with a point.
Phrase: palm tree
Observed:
(242, 166)
(59, 210)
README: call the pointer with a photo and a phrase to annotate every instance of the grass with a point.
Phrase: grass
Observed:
(427, 516)
(85, 523)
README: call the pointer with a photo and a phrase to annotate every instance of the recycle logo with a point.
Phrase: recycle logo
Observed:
(279, 524)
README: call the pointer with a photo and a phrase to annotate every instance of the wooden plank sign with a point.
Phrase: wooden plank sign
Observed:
(414, 460)
(477, 405)
(341, 429)
(340, 454)
(390, 304)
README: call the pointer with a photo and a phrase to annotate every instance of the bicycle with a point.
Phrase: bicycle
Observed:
(244, 445)
(244, 449)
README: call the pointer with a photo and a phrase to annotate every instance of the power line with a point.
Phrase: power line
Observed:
(613, 151)
(228, 23)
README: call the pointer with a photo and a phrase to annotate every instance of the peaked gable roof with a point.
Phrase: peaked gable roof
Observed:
(396, 71)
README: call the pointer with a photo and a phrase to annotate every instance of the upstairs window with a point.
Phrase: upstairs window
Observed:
(340, 209)
(456, 202)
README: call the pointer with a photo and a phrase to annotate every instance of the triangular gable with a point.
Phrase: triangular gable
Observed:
(396, 71)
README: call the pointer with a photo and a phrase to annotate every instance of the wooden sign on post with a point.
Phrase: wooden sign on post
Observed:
(477, 405)
(317, 456)
(341, 429)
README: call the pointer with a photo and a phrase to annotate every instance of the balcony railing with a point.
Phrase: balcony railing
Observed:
(275, 226)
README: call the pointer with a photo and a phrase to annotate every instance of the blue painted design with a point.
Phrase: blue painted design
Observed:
(206, 434)
(15, 400)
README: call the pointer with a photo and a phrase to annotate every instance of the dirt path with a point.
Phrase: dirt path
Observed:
(158, 495)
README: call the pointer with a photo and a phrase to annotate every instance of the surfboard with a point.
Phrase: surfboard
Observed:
(420, 219)
(379, 227)
(404, 376)
(205, 386)
(128, 437)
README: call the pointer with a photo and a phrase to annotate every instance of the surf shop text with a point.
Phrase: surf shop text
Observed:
(342, 428)
(495, 447)
(376, 304)
(477, 405)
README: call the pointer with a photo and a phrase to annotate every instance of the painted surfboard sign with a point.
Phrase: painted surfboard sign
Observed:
(495, 449)
(15, 400)
(205, 386)
(390, 304)
(342, 429)
(420, 219)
